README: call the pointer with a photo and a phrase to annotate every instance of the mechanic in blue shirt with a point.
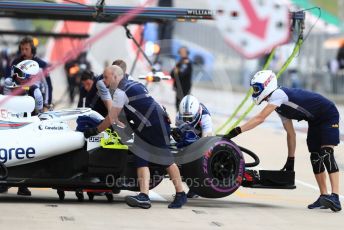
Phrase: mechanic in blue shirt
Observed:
(323, 129)
(89, 94)
(193, 121)
(27, 51)
(149, 122)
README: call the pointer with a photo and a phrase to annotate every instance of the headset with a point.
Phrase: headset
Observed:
(30, 41)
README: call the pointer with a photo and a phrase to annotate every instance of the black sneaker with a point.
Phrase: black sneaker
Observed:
(191, 194)
(179, 200)
(332, 202)
(23, 191)
(142, 201)
(317, 203)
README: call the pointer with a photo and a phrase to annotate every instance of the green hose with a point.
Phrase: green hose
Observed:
(284, 67)
(248, 95)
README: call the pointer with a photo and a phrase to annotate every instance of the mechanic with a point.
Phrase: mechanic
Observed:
(323, 129)
(73, 69)
(103, 91)
(27, 51)
(193, 118)
(88, 93)
(152, 130)
(182, 75)
(22, 76)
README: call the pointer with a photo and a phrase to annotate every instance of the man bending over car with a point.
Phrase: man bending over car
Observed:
(148, 121)
(323, 129)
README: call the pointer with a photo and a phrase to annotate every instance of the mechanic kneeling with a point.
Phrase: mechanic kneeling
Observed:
(193, 118)
(151, 128)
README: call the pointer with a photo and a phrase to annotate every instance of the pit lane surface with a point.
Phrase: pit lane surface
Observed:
(248, 208)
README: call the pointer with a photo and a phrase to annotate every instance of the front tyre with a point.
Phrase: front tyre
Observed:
(218, 173)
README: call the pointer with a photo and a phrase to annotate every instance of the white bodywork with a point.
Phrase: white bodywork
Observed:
(25, 139)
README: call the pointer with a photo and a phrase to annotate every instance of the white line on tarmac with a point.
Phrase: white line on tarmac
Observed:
(314, 187)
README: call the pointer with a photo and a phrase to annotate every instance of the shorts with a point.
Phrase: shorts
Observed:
(152, 145)
(323, 133)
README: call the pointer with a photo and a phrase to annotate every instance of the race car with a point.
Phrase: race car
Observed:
(48, 151)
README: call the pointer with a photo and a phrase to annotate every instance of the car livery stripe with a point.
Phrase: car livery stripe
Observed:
(11, 125)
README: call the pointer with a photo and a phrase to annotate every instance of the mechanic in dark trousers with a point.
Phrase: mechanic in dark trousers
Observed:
(195, 117)
(88, 93)
(22, 78)
(323, 129)
(151, 128)
(182, 75)
(27, 51)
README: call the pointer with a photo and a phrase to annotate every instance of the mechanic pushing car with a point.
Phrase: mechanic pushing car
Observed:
(22, 76)
(103, 91)
(193, 121)
(150, 124)
(323, 129)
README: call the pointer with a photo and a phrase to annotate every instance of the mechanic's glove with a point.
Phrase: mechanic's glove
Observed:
(233, 133)
(176, 134)
(289, 164)
(90, 132)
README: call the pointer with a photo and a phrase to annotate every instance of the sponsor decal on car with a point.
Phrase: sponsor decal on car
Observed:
(47, 127)
(94, 139)
(7, 154)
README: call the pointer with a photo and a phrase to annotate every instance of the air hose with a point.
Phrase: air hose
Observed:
(247, 96)
(251, 154)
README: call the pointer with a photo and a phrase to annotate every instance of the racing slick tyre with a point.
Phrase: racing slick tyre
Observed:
(218, 173)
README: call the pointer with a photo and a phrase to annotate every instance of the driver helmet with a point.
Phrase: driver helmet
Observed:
(263, 84)
(190, 109)
(23, 71)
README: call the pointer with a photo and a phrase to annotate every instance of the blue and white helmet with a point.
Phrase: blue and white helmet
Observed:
(263, 84)
(190, 109)
(25, 69)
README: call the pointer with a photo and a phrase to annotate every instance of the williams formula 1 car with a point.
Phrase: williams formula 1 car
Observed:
(47, 151)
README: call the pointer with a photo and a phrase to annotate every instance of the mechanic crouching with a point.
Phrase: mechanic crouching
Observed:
(152, 131)
(193, 121)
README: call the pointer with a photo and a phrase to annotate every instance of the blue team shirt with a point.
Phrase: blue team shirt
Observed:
(299, 104)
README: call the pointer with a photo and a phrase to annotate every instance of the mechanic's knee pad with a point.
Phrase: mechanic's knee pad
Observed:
(324, 158)
(317, 163)
(328, 158)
